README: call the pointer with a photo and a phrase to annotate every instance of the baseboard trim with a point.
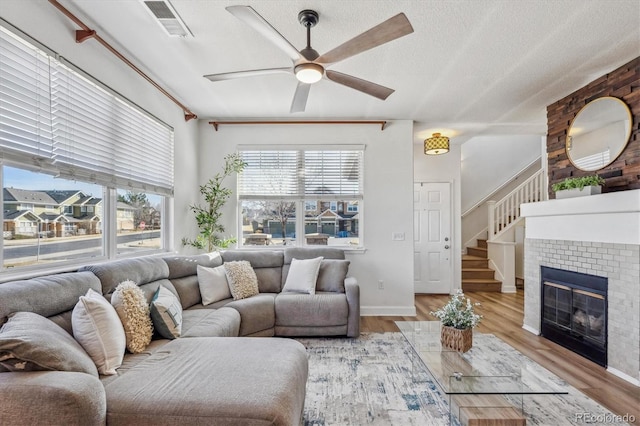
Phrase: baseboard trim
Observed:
(388, 311)
(624, 376)
(531, 329)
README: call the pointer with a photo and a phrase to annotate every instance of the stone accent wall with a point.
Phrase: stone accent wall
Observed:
(624, 173)
(620, 263)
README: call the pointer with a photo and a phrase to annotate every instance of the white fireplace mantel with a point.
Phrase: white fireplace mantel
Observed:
(613, 217)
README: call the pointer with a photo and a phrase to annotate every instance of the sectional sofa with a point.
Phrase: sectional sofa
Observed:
(217, 372)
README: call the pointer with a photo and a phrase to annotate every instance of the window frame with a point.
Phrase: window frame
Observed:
(301, 200)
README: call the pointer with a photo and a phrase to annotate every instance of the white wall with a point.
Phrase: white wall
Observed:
(43, 22)
(489, 161)
(388, 203)
(444, 168)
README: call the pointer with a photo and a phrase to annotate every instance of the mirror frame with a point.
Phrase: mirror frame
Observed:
(623, 145)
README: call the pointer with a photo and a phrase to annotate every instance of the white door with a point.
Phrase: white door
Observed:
(432, 237)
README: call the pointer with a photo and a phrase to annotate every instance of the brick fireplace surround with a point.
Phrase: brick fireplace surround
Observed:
(596, 235)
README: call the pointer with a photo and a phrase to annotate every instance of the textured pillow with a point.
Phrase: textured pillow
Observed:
(213, 284)
(98, 329)
(31, 342)
(332, 274)
(166, 313)
(242, 279)
(133, 311)
(302, 276)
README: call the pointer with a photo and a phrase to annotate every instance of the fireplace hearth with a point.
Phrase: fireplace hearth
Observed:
(574, 312)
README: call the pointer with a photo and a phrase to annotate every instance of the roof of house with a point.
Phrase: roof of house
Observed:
(16, 214)
(60, 196)
(27, 196)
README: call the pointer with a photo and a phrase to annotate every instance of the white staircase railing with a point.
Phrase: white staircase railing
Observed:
(504, 213)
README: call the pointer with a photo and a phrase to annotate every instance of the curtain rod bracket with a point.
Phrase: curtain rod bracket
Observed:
(82, 35)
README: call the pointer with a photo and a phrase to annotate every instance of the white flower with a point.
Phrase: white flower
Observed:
(456, 314)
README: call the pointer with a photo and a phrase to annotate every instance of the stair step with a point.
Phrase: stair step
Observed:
(470, 285)
(477, 251)
(477, 273)
(482, 243)
(474, 262)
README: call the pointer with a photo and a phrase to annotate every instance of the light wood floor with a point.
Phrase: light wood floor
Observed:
(503, 315)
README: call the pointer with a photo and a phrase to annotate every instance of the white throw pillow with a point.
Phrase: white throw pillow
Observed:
(213, 284)
(97, 327)
(166, 313)
(302, 276)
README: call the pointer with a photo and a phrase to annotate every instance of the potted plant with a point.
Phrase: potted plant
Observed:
(208, 217)
(578, 186)
(458, 320)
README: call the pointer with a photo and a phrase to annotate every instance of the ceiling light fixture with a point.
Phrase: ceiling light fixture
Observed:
(436, 145)
(309, 72)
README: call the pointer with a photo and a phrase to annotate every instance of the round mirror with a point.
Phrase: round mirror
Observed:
(599, 133)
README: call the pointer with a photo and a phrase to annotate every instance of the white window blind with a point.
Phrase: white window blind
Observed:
(25, 118)
(98, 137)
(301, 173)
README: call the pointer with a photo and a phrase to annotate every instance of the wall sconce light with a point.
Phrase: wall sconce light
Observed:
(436, 145)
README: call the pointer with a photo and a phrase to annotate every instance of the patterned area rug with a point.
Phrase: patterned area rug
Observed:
(371, 381)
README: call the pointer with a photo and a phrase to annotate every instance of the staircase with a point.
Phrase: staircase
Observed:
(476, 274)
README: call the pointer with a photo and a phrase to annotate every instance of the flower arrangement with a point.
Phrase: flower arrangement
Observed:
(458, 314)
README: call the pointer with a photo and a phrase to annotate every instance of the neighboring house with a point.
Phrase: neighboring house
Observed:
(125, 217)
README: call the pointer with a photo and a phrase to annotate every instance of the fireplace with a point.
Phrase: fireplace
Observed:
(574, 312)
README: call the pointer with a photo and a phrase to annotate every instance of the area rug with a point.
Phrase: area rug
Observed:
(372, 380)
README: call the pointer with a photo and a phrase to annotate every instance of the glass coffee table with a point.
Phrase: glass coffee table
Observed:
(484, 386)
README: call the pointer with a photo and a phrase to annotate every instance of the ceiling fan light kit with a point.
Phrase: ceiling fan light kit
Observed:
(308, 66)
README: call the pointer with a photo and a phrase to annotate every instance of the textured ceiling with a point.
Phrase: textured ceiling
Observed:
(471, 67)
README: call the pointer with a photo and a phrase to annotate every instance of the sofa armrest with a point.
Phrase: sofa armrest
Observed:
(352, 291)
(51, 397)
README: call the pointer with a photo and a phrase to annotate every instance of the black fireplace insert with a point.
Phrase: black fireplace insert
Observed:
(574, 312)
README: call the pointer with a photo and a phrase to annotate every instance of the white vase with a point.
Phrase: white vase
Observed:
(576, 192)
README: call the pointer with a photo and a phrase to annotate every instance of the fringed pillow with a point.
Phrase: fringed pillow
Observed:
(131, 306)
(242, 279)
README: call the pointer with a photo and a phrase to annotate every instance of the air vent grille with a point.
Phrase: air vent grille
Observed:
(168, 18)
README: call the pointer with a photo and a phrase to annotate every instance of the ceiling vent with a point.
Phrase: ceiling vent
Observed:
(168, 18)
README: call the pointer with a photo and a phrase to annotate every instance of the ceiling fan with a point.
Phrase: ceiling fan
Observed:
(308, 66)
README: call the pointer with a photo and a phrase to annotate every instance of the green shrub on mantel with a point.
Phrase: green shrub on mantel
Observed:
(578, 182)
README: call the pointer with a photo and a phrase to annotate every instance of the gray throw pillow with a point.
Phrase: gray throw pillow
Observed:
(31, 342)
(332, 274)
(166, 313)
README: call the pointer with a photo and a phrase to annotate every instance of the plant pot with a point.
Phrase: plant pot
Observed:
(456, 339)
(576, 192)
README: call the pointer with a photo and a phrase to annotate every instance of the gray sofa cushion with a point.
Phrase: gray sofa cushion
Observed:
(140, 270)
(49, 295)
(43, 398)
(257, 313)
(267, 265)
(321, 309)
(188, 290)
(332, 274)
(182, 266)
(223, 322)
(206, 381)
(31, 342)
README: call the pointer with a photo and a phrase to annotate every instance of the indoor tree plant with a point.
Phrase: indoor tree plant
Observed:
(575, 186)
(458, 319)
(208, 216)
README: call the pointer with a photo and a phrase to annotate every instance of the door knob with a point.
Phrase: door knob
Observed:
(446, 247)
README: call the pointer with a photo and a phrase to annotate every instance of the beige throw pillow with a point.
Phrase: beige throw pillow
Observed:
(302, 276)
(98, 329)
(243, 281)
(133, 311)
(213, 284)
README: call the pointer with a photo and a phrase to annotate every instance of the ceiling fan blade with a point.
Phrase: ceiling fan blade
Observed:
(300, 97)
(249, 73)
(359, 84)
(391, 29)
(252, 18)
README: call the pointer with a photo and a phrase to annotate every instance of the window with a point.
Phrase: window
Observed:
(55, 120)
(279, 183)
